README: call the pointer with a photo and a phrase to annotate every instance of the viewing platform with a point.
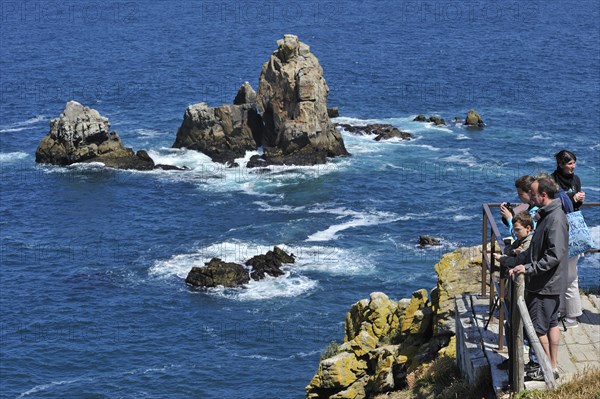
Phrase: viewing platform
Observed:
(490, 327)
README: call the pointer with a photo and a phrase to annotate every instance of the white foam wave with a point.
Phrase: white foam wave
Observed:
(591, 188)
(330, 260)
(464, 158)
(463, 137)
(208, 175)
(7, 157)
(358, 219)
(23, 125)
(427, 147)
(266, 207)
(441, 128)
(285, 286)
(540, 159)
(148, 132)
(45, 387)
(460, 218)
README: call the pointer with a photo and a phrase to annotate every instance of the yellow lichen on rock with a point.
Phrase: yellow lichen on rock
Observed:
(339, 371)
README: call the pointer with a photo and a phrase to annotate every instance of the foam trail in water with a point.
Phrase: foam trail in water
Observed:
(358, 219)
(7, 157)
(23, 125)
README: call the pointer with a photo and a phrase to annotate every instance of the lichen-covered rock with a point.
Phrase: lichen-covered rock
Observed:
(81, 134)
(395, 338)
(292, 97)
(458, 272)
(473, 119)
(338, 372)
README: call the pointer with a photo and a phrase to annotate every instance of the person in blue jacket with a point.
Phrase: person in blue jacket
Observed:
(523, 186)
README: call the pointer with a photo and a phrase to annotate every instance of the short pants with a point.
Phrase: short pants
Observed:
(543, 310)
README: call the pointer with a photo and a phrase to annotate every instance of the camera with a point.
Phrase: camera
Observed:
(508, 206)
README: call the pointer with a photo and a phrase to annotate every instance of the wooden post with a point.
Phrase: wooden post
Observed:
(516, 367)
(492, 267)
(501, 314)
(537, 346)
(483, 255)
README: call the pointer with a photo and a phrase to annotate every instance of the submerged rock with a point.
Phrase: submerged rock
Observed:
(81, 134)
(381, 131)
(269, 263)
(227, 274)
(292, 97)
(433, 119)
(428, 240)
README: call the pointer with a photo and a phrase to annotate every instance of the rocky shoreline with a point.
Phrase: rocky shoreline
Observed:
(384, 340)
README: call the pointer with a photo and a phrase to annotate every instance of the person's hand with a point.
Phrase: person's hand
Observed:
(516, 270)
(505, 212)
(517, 251)
(497, 256)
(579, 197)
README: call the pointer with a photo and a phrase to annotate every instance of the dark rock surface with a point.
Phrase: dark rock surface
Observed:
(433, 119)
(382, 131)
(333, 112)
(218, 273)
(428, 241)
(81, 134)
(269, 263)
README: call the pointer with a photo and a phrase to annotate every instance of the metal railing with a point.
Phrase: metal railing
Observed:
(516, 316)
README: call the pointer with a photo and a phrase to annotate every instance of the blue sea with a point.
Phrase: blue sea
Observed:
(93, 260)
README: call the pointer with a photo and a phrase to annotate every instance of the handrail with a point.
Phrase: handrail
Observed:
(517, 316)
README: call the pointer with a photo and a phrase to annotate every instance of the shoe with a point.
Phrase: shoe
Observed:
(569, 323)
(529, 367)
(535, 375)
(538, 375)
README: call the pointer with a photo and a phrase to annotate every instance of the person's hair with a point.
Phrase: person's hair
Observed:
(563, 157)
(546, 184)
(524, 219)
(523, 183)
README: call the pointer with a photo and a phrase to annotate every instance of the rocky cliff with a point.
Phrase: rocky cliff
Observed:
(81, 134)
(385, 339)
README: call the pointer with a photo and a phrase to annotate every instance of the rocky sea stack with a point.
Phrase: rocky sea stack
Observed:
(81, 134)
(287, 117)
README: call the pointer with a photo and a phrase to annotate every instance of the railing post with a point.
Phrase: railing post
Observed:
(483, 255)
(537, 346)
(501, 314)
(516, 371)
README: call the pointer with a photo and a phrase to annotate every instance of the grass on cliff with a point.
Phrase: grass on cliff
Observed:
(585, 385)
(440, 379)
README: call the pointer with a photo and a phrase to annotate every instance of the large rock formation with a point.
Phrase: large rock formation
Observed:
(292, 97)
(223, 133)
(384, 339)
(81, 134)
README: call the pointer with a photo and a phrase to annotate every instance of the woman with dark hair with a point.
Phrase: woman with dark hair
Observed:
(569, 182)
(565, 176)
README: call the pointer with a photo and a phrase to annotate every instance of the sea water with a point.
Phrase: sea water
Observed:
(93, 260)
